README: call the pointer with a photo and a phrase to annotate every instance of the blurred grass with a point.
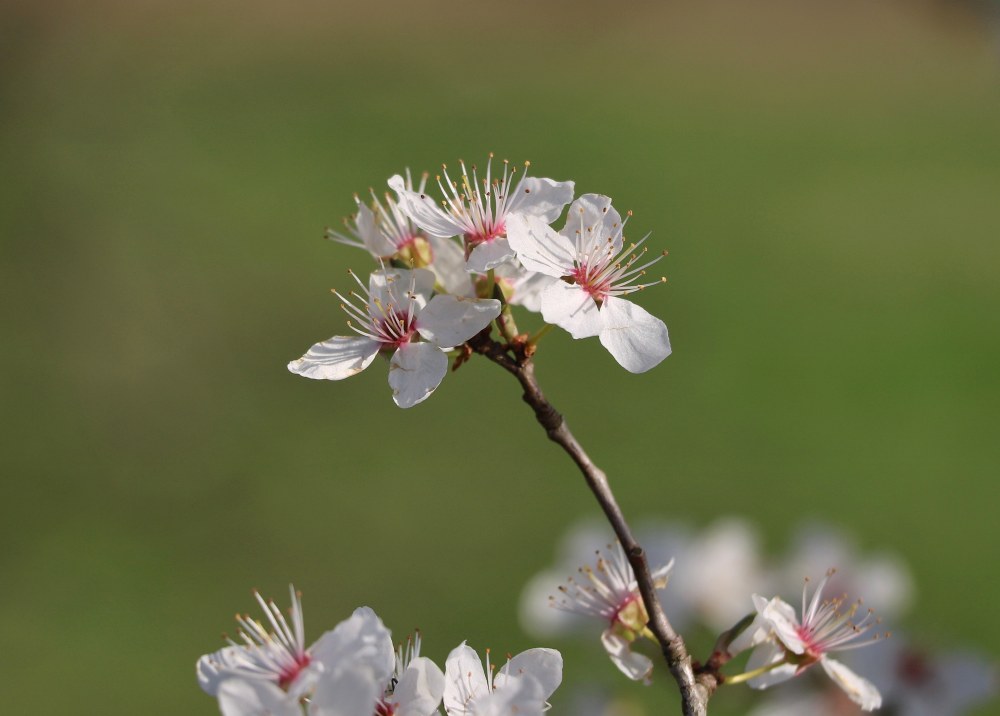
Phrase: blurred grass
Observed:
(824, 176)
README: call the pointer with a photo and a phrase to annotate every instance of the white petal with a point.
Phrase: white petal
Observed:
(420, 688)
(521, 697)
(464, 678)
(634, 665)
(448, 265)
(489, 254)
(755, 634)
(415, 371)
(538, 247)
(861, 691)
(255, 697)
(544, 665)
(765, 654)
(351, 690)
(662, 574)
(361, 639)
(213, 668)
(391, 287)
(636, 339)
(572, 309)
(336, 359)
(452, 320)
(374, 241)
(424, 211)
(781, 616)
(592, 218)
(544, 198)
(525, 287)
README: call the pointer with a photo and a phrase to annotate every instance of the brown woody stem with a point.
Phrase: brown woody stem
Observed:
(695, 689)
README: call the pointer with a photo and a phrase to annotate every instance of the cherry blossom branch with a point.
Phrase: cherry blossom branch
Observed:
(515, 358)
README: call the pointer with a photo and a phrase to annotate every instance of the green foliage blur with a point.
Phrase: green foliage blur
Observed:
(825, 176)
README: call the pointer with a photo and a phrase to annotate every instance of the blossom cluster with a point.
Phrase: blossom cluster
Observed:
(353, 670)
(447, 266)
(716, 579)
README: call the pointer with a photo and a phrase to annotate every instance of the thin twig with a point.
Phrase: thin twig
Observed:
(695, 690)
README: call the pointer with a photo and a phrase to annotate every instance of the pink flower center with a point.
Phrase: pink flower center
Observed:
(290, 673)
(397, 329)
(384, 708)
(593, 280)
(487, 234)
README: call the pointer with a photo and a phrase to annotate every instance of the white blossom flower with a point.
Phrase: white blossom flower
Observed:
(522, 686)
(398, 311)
(416, 686)
(611, 594)
(785, 646)
(268, 671)
(595, 269)
(387, 232)
(479, 212)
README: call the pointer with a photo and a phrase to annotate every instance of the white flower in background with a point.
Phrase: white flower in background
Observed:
(386, 232)
(593, 269)
(915, 682)
(611, 594)
(416, 686)
(479, 212)
(881, 576)
(523, 685)
(398, 311)
(269, 670)
(785, 646)
(717, 569)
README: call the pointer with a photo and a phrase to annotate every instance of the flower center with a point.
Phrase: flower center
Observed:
(289, 673)
(593, 280)
(397, 329)
(485, 235)
(384, 708)
(415, 251)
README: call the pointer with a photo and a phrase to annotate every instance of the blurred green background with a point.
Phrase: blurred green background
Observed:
(825, 175)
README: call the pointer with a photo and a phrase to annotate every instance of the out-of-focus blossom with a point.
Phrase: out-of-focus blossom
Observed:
(609, 592)
(592, 270)
(915, 682)
(398, 311)
(478, 212)
(717, 570)
(881, 576)
(784, 646)
(522, 686)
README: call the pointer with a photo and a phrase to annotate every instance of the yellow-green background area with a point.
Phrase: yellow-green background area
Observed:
(825, 176)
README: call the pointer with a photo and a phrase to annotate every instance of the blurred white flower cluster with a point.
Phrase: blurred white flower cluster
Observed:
(716, 578)
(352, 670)
(446, 267)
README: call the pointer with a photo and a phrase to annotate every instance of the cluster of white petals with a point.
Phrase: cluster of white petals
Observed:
(352, 670)
(270, 671)
(439, 258)
(478, 212)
